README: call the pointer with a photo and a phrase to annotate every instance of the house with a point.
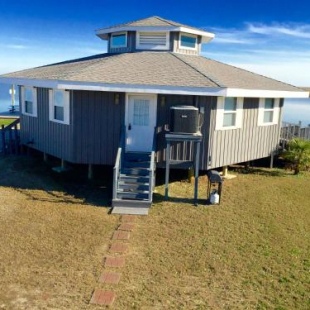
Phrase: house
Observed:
(77, 110)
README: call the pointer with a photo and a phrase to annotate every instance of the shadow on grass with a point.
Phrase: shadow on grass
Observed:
(275, 172)
(158, 198)
(36, 179)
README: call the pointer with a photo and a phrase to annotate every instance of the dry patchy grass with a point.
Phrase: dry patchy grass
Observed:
(52, 243)
(251, 252)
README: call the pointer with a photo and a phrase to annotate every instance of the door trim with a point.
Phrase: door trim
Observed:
(152, 97)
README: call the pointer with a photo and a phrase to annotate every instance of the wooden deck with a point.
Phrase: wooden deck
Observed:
(290, 131)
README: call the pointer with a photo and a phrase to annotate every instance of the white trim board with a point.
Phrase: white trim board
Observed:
(206, 36)
(157, 89)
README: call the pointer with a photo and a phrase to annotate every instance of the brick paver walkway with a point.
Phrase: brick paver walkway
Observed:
(126, 226)
(116, 259)
(121, 235)
(103, 298)
(117, 262)
(118, 248)
(110, 277)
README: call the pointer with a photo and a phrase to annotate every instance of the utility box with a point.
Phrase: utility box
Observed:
(184, 119)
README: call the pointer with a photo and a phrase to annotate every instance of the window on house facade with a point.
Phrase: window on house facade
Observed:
(268, 111)
(188, 41)
(119, 40)
(59, 106)
(152, 40)
(29, 101)
(229, 113)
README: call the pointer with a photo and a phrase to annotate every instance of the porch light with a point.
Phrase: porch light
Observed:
(116, 99)
(163, 101)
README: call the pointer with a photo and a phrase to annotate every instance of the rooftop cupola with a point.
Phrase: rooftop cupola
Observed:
(154, 34)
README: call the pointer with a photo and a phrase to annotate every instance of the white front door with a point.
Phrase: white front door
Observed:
(140, 122)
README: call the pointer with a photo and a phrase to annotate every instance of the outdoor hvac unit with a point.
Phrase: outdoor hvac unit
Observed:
(184, 119)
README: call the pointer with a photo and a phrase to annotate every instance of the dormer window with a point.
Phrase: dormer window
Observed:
(119, 40)
(152, 40)
(188, 41)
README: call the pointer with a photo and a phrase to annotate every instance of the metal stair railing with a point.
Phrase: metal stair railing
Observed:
(152, 168)
(118, 162)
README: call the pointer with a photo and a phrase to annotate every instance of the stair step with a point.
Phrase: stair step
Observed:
(136, 165)
(135, 171)
(132, 191)
(141, 204)
(133, 178)
(136, 157)
(133, 186)
(132, 195)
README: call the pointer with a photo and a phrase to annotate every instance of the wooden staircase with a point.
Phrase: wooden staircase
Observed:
(134, 181)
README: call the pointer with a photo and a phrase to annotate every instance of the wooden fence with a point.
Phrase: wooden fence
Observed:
(290, 131)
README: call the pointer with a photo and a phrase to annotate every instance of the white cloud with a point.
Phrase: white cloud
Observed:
(232, 36)
(15, 46)
(292, 30)
(280, 51)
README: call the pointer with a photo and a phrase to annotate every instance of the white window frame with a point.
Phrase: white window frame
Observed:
(152, 46)
(187, 35)
(66, 106)
(117, 34)
(262, 110)
(34, 101)
(220, 114)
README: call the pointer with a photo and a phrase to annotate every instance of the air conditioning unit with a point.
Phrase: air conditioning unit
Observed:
(184, 119)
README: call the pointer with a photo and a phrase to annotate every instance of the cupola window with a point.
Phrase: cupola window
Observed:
(188, 41)
(119, 40)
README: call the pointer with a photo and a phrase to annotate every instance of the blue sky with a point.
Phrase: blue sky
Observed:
(268, 37)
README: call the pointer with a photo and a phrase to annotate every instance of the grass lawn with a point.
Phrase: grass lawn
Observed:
(6, 121)
(251, 252)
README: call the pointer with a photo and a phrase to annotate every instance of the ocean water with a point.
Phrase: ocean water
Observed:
(5, 97)
(295, 110)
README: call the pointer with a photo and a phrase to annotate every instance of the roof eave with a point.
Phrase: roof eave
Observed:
(158, 89)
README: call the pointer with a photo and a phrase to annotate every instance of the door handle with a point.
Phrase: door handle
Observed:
(129, 127)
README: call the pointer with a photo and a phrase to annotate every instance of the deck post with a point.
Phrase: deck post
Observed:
(225, 171)
(90, 174)
(299, 129)
(3, 139)
(271, 159)
(197, 155)
(63, 164)
(45, 158)
(167, 169)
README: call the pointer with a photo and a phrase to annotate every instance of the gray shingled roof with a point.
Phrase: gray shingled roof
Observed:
(153, 21)
(159, 69)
